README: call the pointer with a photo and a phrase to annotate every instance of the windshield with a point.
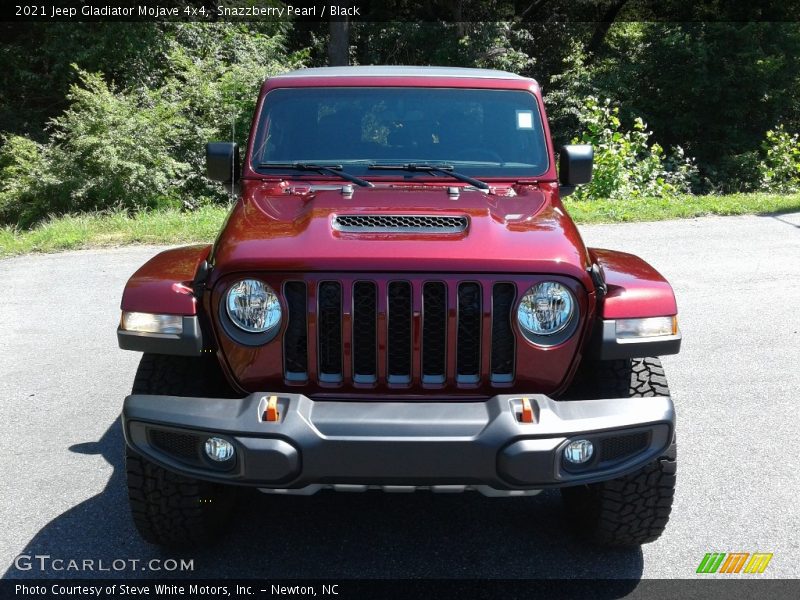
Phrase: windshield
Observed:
(475, 131)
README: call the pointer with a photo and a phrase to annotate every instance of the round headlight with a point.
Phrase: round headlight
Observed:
(546, 309)
(253, 306)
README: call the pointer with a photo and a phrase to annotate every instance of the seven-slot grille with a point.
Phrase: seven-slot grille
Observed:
(399, 332)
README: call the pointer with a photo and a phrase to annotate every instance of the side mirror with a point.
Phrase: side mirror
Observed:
(222, 161)
(574, 167)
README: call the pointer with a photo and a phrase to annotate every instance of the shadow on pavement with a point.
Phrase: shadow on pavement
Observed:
(778, 217)
(339, 535)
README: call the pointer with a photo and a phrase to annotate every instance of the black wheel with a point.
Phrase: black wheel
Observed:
(167, 508)
(633, 509)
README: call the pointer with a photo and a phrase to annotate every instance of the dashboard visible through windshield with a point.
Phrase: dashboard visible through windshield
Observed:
(480, 132)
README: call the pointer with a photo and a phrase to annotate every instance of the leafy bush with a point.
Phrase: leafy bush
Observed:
(107, 150)
(626, 164)
(733, 174)
(112, 148)
(213, 74)
(20, 161)
(142, 146)
(780, 169)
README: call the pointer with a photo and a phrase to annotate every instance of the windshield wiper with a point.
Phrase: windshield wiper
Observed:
(445, 169)
(329, 169)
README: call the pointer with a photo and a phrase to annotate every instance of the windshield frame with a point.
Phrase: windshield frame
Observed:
(488, 170)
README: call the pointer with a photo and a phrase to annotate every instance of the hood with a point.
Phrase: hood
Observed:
(279, 226)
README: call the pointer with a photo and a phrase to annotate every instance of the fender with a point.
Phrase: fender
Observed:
(165, 286)
(635, 290)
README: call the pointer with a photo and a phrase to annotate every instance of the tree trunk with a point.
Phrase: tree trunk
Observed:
(602, 29)
(339, 43)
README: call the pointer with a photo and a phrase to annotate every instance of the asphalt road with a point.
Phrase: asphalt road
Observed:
(62, 380)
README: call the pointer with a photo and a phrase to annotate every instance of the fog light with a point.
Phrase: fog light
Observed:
(579, 451)
(219, 450)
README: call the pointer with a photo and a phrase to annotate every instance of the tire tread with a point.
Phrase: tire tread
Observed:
(170, 509)
(633, 509)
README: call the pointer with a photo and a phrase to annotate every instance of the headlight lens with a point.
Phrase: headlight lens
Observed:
(546, 308)
(253, 306)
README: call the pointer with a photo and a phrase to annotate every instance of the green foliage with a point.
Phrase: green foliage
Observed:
(780, 169)
(711, 87)
(112, 149)
(626, 164)
(490, 44)
(106, 150)
(141, 146)
(37, 61)
(20, 160)
(567, 94)
(741, 172)
(133, 137)
(213, 74)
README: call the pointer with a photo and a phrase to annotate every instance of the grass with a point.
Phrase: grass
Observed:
(114, 229)
(679, 207)
(175, 227)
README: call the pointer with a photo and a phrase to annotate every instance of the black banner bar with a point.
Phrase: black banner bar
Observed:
(399, 10)
(702, 588)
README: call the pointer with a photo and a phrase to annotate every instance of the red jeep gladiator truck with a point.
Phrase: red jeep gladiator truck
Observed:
(398, 300)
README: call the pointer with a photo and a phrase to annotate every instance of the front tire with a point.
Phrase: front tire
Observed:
(169, 509)
(633, 509)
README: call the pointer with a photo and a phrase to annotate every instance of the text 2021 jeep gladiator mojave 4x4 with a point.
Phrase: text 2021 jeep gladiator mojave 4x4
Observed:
(398, 300)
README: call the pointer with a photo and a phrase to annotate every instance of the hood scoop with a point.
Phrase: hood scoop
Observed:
(383, 223)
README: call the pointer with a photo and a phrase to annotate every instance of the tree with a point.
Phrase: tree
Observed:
(713, 88)
(339, 42)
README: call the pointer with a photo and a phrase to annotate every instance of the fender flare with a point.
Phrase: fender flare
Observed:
(635, 290)
(165, 285)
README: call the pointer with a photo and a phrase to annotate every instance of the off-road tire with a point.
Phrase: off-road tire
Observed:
(633, 509)
(181, 376)
(169, 509)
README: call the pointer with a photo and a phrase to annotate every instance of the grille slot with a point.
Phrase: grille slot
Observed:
(434, 332)
(399, 332)
(329, 323)
(468, 357)
(400, 223)
(179, 445)
(615, 448)
(460, 337)
(295, 340)
(503, 349)
(365, 316)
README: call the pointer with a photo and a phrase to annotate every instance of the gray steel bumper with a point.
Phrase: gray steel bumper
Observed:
(399, 443)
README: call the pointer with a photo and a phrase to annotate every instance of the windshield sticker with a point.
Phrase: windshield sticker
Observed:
(524, 119)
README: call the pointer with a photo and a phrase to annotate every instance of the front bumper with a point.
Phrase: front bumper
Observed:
(316, 443)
